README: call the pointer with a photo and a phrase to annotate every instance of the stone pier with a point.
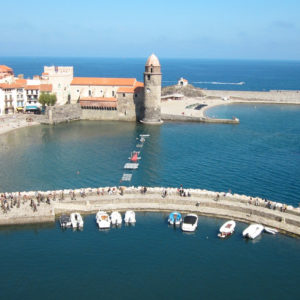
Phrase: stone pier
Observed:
(285, 218)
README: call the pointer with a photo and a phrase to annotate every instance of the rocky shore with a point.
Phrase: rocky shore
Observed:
(38, 207)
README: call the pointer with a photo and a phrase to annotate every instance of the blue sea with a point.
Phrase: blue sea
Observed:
(220, 74)
(259, 157)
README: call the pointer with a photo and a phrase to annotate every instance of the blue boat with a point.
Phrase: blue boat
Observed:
(175, 218)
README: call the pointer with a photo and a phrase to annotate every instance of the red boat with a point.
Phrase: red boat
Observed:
(134, 156)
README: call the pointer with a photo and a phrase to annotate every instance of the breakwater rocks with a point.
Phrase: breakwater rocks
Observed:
(34, 207)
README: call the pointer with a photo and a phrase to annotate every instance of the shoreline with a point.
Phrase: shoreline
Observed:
(285, 218)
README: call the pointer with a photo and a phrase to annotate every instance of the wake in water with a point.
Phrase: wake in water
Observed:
(216, 82)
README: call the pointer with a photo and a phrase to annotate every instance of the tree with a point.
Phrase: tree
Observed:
(47, 99)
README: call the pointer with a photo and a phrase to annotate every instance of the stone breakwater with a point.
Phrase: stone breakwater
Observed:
(37, 207)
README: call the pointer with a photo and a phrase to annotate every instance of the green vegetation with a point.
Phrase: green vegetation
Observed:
(187, 91)
(47, 99)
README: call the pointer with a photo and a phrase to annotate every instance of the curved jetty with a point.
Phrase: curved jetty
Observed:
(43, 206)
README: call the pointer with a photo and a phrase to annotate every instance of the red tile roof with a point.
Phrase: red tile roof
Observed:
(4, 68)
(32, 87)
(21, 81)
(131, 89)
(103, 81)
(10, 86)
(46, 87)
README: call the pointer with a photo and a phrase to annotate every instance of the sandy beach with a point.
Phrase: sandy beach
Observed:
(12, 122)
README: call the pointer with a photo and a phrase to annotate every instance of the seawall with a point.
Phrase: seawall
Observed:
(183, 118)
(285, 218)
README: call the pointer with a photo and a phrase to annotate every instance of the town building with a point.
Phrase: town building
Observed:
(99, 98)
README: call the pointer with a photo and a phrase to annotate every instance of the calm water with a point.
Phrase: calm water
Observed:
(259, 157)
(210, 74)
(148, 261)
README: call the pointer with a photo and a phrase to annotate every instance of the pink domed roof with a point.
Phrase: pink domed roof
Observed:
(153, 61)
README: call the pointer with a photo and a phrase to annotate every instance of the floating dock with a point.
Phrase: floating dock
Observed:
(126, 177)
(131, 166)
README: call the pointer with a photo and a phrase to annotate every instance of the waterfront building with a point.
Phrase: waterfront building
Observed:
(99, 98)
(122, 97)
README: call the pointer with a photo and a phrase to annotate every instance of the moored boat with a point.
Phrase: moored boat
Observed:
(175, 218)
(76, 220)
(129, 216)
(190, 222)
(227, 229)
(65, 221)
(271, 230)
(253, 231)
(103, 220)
(134, 157)
(116, 218)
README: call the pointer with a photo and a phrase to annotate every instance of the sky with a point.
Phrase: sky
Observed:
(245, 29)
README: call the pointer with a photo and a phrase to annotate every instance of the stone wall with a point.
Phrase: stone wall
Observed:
(63, 113)
(97, 114)
(279, 96)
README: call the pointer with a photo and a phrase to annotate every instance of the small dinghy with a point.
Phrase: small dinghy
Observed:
(271, 230)
(103, 220)
(253, 231)
(116, 218)
(76, 220)
(134, 156)
(190, 222)
(175, 218)
(65, 221)
(129, 216)
(227, 229)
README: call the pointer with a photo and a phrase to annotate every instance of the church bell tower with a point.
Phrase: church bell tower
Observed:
(152, 91)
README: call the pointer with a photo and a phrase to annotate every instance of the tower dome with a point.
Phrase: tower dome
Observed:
(152, 61)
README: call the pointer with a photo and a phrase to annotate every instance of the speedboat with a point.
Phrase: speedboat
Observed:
(65, 221)
(227, 229)
(103, 219)
(129, 216)
(190, 222)
(175, 218)
(116, 218)
(253, 231)
(76, 220)
(271, 230)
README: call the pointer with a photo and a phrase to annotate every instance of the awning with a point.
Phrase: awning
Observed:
(20, 108)
(32, 107)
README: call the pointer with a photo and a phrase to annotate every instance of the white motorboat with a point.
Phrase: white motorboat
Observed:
(190, 222)
(76, 220)
(65, 221)
(227, 229)
(103, 219)
(129, 216)
(271, 230)
(116, 218)
(253, 231)
(175, 218)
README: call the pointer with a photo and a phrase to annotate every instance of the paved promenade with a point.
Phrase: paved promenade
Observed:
(37, 207)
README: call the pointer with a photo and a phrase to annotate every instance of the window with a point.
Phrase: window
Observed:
(151, 70)
(90, 93)
(148, 77)
(113, 93)
(135, 95)
(124, 94)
